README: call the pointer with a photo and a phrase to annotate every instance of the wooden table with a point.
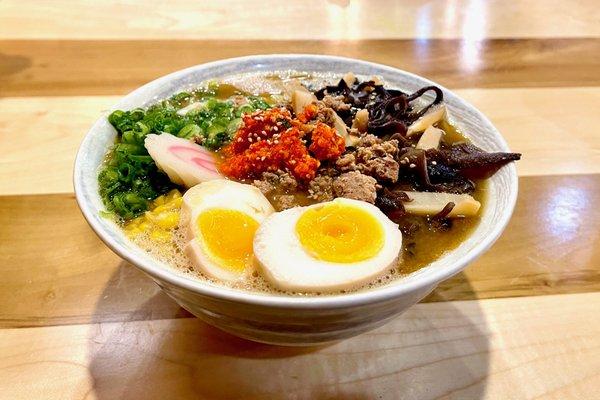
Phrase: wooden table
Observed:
(520, 323)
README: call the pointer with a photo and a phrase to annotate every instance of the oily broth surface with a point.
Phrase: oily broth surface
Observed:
(173, 254)
(419, 250)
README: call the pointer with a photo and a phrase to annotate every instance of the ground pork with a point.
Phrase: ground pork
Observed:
(279, 181)
(372, 157)
(264, 186)
(357, 186)
(329, 170)
(347, 162)
(321, 188)
(382, 168)
(284, 201)
(325, 114)
(336, 103)
(368, 140)
(287, 182)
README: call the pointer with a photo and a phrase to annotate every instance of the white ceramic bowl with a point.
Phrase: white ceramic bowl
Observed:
(296, 320)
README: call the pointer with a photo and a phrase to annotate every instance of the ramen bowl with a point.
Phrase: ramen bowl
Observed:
(296, 320)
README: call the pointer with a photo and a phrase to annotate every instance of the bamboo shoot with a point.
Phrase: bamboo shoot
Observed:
(349, 78)
(431, 203)
(430, 138)
(361, 120)
(427, 120)
(300, 99)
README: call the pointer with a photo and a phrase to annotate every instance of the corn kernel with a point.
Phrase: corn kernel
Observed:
(133, 232)
(160, 220)
(135, 221)
(149, 218)
(145, 226)
(160, 209)
(133, 224)
(160, 235)
(174, 194)
(167, 220)
(159, 201)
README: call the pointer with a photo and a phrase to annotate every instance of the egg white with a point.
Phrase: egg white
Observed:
(286, 264)
(223, 194)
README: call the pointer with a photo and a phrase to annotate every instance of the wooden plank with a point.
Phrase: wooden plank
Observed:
(549, 247)
(524, 348)
(550, 126)
(41, 137)
(80, 280)
(71, 67)
(339, 19)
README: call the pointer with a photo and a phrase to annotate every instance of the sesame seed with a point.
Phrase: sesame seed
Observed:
(250, 139)
(434, 163)
(411, 165)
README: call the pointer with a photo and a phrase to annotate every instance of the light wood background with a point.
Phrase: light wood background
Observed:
(522, 322)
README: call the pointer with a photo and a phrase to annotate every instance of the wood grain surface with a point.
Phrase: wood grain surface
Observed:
(489, 349)
(77, 322)
(306, 19)
(74, 67)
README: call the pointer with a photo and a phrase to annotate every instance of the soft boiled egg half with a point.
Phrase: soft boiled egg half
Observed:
(220, 218)
(335, 245)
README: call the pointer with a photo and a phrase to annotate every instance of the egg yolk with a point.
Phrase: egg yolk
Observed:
(340, 233)
(227, 237)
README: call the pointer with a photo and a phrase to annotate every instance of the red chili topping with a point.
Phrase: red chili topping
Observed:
(285, 151)
(260, 125)
(271, 140)
(326, 143)
(309, 113)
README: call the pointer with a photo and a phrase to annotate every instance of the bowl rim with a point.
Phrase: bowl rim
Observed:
(376, 295)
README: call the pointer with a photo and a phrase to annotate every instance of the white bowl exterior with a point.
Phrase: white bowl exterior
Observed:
(296, 320)
(291, 327)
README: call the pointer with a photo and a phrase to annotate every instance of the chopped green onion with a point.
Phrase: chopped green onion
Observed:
(189, 131)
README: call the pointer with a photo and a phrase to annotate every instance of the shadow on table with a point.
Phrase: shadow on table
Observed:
(433, 350)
